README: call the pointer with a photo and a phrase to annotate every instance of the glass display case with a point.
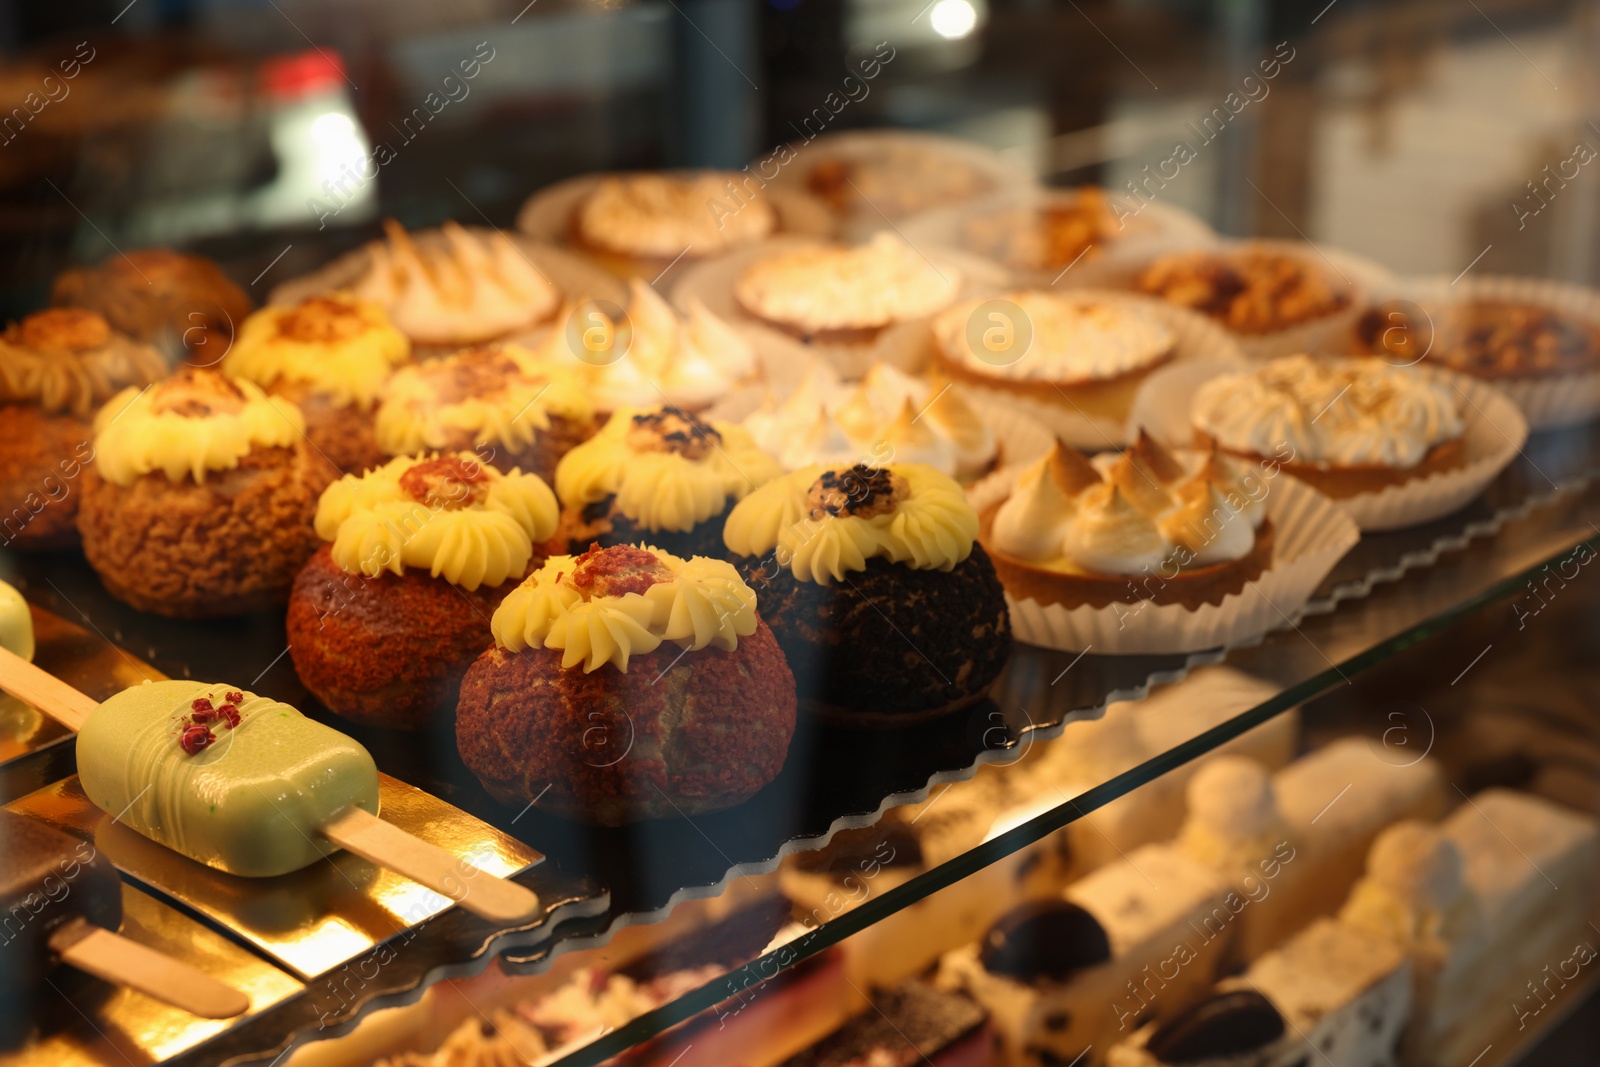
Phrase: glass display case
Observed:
(816, 532)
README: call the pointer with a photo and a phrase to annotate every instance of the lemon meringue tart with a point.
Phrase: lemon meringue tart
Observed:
(1341, 426)
(1144, 525)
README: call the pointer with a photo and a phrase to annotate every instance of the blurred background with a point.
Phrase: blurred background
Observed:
(1422, 133)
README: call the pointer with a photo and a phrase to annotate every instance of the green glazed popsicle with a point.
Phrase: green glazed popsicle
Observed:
(236, 781)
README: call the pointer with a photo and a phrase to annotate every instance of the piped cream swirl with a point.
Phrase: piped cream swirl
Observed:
(340, 346)
(70, 360)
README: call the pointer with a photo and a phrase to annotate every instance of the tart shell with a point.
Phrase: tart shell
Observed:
(1190, 588)
(1110, 398)
(41, 459)
(229, 545)
(892, 644)
(390, 650)
(678, 734)
(1344, 482)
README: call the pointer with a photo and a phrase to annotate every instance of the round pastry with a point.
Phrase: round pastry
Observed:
(650, 355)
(660, 476)
(625, 684)
(1145, 525)
(1342, 426)
(184, 304)
(455, 287)
(895, 179)
(1497, 340)
(330, 356)
(495, 400)
(1048, 236)
(57, 367)
(201, 496)
(1081, 352)
(635, 222)
(1248, 290)
(835, 294)
(872, 580)
(888, 415)
(386, 617)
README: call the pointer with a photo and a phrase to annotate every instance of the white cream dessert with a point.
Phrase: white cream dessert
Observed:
(1332, 995)
(821, 289)
(1062, 978)
(660, 216)
(888, 416)
(1142, 513)
(466, 287)
(652, 356)
(1076, 338)
(1344, 413)
(1337, 799)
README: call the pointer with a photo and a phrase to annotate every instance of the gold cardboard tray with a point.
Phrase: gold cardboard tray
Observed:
(100, 1025)
(316, 918)
(83, 660)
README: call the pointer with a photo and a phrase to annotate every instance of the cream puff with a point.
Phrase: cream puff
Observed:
(183, 304)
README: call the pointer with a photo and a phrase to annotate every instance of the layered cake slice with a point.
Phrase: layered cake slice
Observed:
(1063, 979)
(1333, 994)
(912, 1025)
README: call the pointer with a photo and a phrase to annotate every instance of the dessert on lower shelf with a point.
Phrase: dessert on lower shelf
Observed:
(649, 355)
(872, 579)
(417, 554)
(659, 476)
(1493, 906)
(329, 355)
(1079, 353)
(625, 684)
(837, 294)
(1146, 525)
(56, 368)
(200, 499)
(1143, 937)
(911, 1025)
(184, 304)
(1332, 994)
(886, 415)
(1342, 426)
(454, 286)
(1250, 290)
(233, 780)
(497, 401)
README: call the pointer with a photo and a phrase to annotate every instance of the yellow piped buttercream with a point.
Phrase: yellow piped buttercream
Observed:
(339, 345)
(138, 432)
(705, 604)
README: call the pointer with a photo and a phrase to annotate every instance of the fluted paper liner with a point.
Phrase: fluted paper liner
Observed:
(1329, 333)
(1546, 402)
(1313, 533)
(1021, 439)
(1195, 338)
(1494, 432)
(905, 345)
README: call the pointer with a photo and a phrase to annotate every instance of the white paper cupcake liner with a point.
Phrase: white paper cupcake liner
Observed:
(547, 214)
(1327, 334)
(1021, 439)
(1195, 338)
(1547, 403)
(576, 278)
(1494, 433)
(1160, 224)
(905, 345)
(1312, 534)
(1004, 178)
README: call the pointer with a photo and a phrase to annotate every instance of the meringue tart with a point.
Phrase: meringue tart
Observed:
(1144, 526)
(1343, 427)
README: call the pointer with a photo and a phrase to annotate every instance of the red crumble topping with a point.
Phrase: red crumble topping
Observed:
(447, 482)
(194, 731)
(618, 570)
(195, 737)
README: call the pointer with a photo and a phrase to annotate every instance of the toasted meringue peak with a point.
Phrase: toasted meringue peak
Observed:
(1153, 459)
(1142, 489)
(1070, 470)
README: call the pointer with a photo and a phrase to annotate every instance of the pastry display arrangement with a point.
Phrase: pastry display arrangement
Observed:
(625, 544)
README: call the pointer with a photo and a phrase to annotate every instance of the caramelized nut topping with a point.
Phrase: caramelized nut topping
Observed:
(196, 393)
(321, 320)
(671, 430)
(860, 491)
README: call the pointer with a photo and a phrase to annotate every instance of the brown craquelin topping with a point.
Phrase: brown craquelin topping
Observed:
(446, 482)
(670, 430)
(321, 320)
(861, 492)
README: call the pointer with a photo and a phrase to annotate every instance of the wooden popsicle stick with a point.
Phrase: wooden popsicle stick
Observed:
(44, 691)
(117, 960)
(385, 844)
